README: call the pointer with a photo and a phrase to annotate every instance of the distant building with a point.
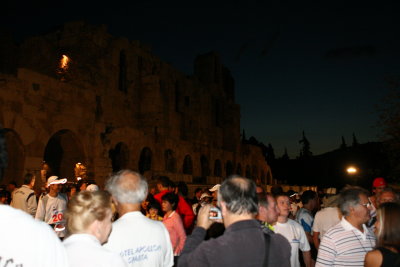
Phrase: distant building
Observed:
(78, 102)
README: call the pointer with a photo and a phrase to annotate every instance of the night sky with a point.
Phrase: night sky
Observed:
(317, 66)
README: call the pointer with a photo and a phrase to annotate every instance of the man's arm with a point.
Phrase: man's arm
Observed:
(196, 238)
(307, 258)
(31, 204)
(316, 239)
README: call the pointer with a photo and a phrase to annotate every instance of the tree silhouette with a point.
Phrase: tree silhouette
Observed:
(343, 145)
(305, 151)
(270, 153)
(285, 155)
(355, 142)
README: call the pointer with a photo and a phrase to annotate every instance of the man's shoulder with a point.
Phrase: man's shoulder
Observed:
(136, 220)
(334, 231)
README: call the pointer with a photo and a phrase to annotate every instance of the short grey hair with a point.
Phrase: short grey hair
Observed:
(350, 197)
(239, 194)
(127, 186)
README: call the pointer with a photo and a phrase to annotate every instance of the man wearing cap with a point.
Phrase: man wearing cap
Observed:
(377, 186)
(52, 206)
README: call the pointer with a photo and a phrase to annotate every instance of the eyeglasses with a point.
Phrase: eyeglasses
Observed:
(367, 205)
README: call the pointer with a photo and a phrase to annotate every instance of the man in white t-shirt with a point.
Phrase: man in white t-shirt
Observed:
(24, 198)
(28, 242)
(51, 207)
(293, 232)
(139, 240)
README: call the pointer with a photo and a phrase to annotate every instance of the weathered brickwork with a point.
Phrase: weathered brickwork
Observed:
(116, 105)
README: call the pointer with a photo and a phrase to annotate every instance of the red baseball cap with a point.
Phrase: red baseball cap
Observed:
(379, 182)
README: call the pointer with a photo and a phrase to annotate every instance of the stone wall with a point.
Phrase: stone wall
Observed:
(115, 105)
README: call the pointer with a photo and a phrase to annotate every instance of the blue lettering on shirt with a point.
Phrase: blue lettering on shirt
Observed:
(140, 253)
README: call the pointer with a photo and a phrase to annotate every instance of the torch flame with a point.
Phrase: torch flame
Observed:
(64, 62)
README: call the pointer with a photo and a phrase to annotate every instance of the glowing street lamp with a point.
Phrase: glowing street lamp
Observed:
(351, 170)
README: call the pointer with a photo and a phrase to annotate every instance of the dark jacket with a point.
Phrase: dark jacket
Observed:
(242, 244)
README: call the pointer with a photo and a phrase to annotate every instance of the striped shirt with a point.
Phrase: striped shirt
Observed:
(345, 245)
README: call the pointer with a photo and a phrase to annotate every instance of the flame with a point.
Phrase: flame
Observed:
(64, 62)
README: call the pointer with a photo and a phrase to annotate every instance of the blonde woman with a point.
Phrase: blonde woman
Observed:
(89, 225)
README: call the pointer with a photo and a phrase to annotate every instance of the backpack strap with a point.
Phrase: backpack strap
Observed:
(30, 195)
(267, 239)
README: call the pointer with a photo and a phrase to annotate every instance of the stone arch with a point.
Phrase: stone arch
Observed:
(119, 156)
(217, 168)
(62, 152)
(205, 166)
(229, 168)
(187, 165)
(15, 157)
(170, 161)
(248, 172)
(145, 160)
(239, 169)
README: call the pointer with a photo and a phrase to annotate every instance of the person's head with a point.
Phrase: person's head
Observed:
(171, 186)
(29, 180)
(283, 204)
(237, 195)
(83, 186)
(378, 184)
(260, 189)
(11, 186)
(3, 196)
(127, 187)
(90, 212)
(387, 194)
(169, 201)
(267, 209)
(55, 184)
(162, 183)
(182, 188)
(309, 199)
(214, 192)
(354, 204)
(198, 192)
(205, 198)
(276, 190)
(387, 225)
(154, 208)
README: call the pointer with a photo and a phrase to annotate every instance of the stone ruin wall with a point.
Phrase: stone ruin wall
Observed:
(116, 92)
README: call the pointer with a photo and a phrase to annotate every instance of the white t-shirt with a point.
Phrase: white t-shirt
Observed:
(325, 219)
(86, 250)
(28, 242)
(296, 236)
(54, 211)
(141, 241)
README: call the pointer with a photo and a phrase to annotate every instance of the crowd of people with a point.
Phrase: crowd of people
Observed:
(235, 223)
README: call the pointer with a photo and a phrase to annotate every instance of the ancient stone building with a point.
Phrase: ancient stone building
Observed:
(78, 102)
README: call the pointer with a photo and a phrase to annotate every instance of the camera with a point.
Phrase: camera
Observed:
(215, 214)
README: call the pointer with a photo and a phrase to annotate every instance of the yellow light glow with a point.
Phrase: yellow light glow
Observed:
(351, 170)
(64, 62)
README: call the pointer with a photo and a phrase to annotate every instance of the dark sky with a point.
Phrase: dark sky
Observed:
(317, 66)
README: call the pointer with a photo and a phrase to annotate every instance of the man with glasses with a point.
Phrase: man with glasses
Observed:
(346, 243)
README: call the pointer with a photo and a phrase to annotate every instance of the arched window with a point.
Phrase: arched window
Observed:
(145, 160)
(205, 168)
(217, 168)
(119, 157)
(239, 169)
(229, 168)
(187, 165)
